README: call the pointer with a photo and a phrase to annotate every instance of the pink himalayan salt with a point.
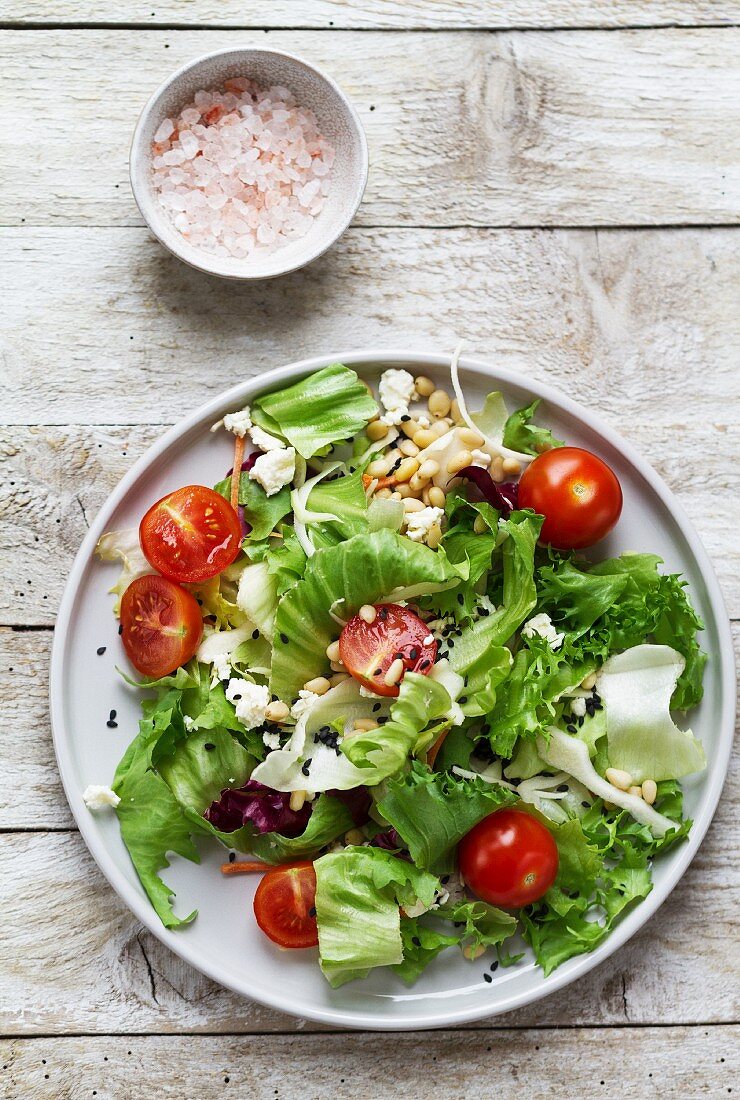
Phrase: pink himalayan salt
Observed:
(241, 169)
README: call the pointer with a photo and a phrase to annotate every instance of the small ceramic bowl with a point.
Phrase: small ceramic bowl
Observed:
(337, 120)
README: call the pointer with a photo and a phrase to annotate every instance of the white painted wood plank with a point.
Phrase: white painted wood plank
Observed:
(535, 128)
(380, 14)
(671, 1063)
(689, 944)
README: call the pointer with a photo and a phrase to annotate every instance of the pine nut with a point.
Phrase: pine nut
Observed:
(496, 469)
(635, 790)
(332, 651)
(470, 438)
(408, 448)
(437, 496)
(336, 666)
(367, 613)
(480, 525)
(434, 536)
(481, 458)
(423, 438)
(589, 681)
(377, 430)
(417, 483)
(297, 798)
(459, 462)
(407, 469)
(354, 836)
(395, 495)
(512, 466)
(425, 496)
(319, 685)
(472, 952)
(412, 504)
(338, 678)
(424, 386)
(401, 492)
(394, 673)
(276, 711)
(650, 791)
(429, 468)
(383, 494)
(441, 427)
(455, 412)
(409, 428)
(439, 403)
(618, 778)
(365, 724)
(378, 468)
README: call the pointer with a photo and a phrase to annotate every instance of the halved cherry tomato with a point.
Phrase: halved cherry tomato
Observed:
(284, 905)
(368, 650)
(161, 625)
(191, 534)
(508, 859)
(578, 494)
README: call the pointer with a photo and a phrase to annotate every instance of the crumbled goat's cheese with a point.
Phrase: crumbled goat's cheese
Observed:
(396, 391)
(304, 702)
(366, 693)
(578, 707)
(271, 740)
(100, 798)
(480, 458)
(188, 722)
(418, 523)
(543, 626)
(250, 701)
(239, 422)
(274, 469)
(264, 440)
(221, 666)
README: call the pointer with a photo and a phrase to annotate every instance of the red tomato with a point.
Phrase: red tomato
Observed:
(509, 859)
(576, 492)
(190, 535)
(284, 905)
(161, 625)
(368, 650)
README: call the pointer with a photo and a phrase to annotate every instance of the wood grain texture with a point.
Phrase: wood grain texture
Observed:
(378, 14)
(144, 987)
(574, 128)
(676, 1063)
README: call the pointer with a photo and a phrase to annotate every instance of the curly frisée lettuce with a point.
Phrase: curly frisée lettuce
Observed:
(543, 680)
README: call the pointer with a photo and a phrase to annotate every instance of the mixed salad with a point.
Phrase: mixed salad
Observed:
(376, 662)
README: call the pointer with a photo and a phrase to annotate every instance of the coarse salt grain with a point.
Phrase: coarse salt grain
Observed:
(241, 169)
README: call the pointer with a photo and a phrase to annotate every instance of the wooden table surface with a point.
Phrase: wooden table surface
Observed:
(558, 183)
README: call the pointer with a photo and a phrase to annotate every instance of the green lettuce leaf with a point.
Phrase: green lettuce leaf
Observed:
(382, 752)
(433, 812)
(208, 761)
(261, 512)
(421, 945)
(327, 407)
(364, 569)
(481, 924)
(520, 434)
(345, 498)
(359, 892)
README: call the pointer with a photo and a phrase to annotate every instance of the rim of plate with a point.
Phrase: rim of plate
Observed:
(285, 1001)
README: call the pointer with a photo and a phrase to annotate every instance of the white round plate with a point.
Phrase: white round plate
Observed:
(224, 941)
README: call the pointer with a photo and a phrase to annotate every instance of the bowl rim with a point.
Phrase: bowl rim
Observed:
(280, 998)
(137, 162)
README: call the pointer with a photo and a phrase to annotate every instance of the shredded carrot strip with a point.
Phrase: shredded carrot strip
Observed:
(236, 473)
(382, 482)
(246, 867)
(432, 752)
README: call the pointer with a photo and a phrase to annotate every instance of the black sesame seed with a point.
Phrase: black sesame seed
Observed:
(377, 672)
(425, 663)
(209, 746)
(120, 629)
(312, 911)
(585, 805)
(460, 598)
(383, 613)
(376, 707)
(398, 656)
(494, 966)
(405, 418)
(255, 634)
(416, 941)
(232, 857)
(111, 724)
(450, 643)
(413, 653)
(487, 978)
(571, 729)
(112, 714)
(306, 766)
(562, 787)
(284, 639)
(463, 700)
(484, 612)
(445, 879)
(100, 650)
